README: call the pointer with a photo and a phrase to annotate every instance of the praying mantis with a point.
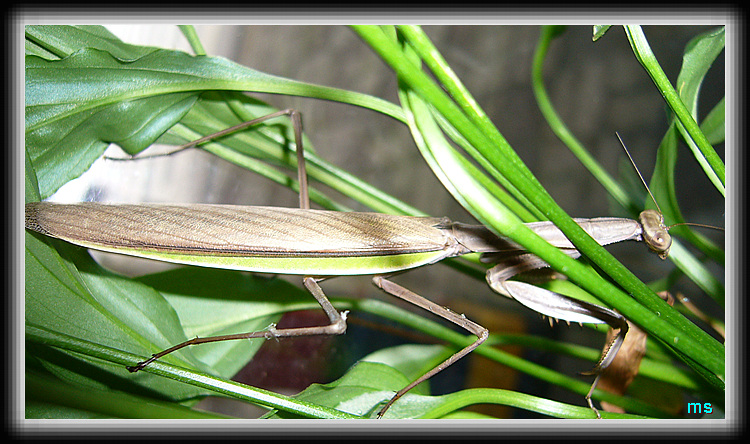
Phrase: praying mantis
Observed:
(321, 244)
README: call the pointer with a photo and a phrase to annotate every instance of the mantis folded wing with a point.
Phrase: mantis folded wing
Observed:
(319, 244)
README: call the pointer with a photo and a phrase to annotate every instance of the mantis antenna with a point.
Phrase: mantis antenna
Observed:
(653, 199)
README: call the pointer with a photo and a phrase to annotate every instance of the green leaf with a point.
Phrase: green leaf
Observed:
(76, 106)
(104, 310)
(713, 124)
(48, 398)
(700, 54)
(60, 41)
(368, 385)
(599, 31)
(212, 302)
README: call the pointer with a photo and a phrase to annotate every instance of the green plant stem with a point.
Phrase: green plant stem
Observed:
(218, 385)
(665, 323)
(646, 57)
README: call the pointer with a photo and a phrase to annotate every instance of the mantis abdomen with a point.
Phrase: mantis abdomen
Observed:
(250, 238)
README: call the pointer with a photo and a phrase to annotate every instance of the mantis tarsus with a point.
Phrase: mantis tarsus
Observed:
(320, 244)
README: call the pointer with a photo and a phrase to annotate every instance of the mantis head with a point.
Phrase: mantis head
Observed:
(655, 233)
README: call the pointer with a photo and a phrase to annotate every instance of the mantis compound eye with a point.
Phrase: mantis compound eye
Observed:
(655, 233)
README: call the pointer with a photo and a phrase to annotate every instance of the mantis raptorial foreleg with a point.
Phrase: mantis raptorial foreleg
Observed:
(558, 306)
(650, 229)
(624, 367)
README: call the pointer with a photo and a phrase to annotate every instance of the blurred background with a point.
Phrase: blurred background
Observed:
(598, 88)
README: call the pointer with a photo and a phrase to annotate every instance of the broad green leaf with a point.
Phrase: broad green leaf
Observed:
(368, 385)
(61, 41)
(77, 105)
(211, 302)
(109, 311)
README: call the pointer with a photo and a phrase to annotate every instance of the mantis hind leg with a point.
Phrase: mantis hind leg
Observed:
(337, 326)
(400, 292)
(296, 118)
